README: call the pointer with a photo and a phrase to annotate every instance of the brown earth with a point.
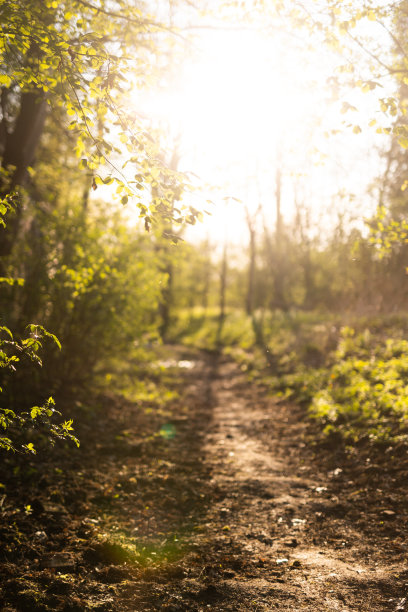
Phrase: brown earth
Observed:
(219, 501)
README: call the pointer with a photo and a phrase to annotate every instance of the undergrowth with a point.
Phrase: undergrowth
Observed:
(350, 374)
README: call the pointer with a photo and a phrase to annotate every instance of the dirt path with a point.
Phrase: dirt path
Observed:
(215, 502)
(295, 531)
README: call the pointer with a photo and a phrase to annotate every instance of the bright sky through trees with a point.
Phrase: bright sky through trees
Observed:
(245, 101)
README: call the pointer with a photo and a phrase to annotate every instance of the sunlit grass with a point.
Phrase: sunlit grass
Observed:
(351, 378)
(200, 328)
(118, 547)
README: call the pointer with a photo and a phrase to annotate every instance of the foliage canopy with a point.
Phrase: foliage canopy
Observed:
(83, 57)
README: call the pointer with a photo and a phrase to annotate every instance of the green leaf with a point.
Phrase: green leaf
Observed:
(403, 142)
(5, 80)
(6, 329)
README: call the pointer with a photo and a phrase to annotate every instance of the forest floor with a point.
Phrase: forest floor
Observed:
(217, 501)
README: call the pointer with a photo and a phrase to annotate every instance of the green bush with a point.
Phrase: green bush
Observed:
(360, 389)
(366, 393)
(16, 426)
(95, 280)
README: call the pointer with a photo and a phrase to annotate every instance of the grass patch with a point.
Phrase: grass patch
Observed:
(350, 374)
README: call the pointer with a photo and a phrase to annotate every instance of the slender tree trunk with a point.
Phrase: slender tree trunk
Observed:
(166, 300)
(20, 146)
(305, 246)
(250, 297)
(251, 273)
(206, 289)
(223, 287)
(279, 297)
(206, 275)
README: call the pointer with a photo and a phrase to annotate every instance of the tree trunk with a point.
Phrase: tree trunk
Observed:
(279, 297)
(223, 287)
(19, 150)
(250, 297)
(166, 302)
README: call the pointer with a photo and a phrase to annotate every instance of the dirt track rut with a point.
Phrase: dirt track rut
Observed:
(288, 535)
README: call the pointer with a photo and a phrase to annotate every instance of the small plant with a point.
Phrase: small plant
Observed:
(7, 204)
(12, 352)
(12, 423)
(366, 392)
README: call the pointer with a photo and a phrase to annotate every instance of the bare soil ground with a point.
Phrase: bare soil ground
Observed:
(219, 502)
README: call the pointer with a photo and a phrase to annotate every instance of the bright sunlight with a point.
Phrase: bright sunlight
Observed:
(244, 104)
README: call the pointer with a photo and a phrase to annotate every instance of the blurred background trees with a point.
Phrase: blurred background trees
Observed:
(107, 280)
(80, 267)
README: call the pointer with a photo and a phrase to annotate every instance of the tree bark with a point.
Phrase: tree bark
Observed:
(19, 151)
(250, 296)
(279, 300)
(223, 288)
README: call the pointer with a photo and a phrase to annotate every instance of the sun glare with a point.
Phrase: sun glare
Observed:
(234, 102)
(241, 106)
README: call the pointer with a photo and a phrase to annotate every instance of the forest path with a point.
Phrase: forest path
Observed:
(209, 500)
(297, 540)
